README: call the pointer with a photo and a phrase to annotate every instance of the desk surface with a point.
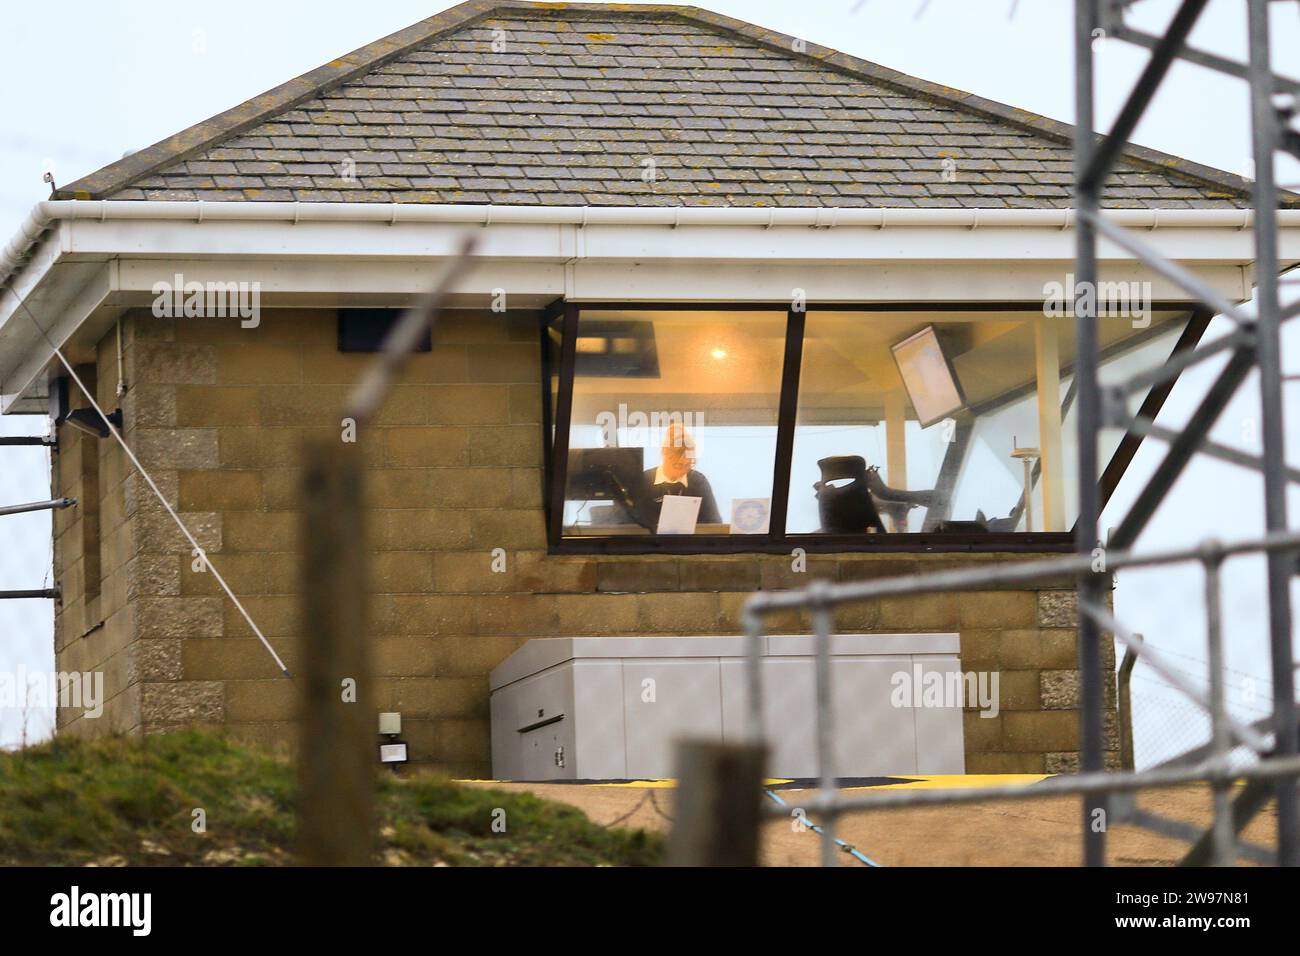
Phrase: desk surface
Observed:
(609, 530)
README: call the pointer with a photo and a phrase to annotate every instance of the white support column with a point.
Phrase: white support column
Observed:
(896, 439)
(1047, 361)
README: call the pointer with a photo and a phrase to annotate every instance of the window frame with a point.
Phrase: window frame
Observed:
(778, 540)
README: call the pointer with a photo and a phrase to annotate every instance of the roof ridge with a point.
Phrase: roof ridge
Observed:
(203, 135)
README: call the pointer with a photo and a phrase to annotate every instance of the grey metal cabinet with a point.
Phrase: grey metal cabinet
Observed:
(613, 708)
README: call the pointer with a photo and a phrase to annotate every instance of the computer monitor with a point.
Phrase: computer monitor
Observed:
(596, 473)
(928, 376)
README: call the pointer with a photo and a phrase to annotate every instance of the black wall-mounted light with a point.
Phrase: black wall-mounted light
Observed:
(89, 421)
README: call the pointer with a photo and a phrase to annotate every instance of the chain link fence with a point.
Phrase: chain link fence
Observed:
(1167, 724)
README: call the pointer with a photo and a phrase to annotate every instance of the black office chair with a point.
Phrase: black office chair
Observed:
(849, 508)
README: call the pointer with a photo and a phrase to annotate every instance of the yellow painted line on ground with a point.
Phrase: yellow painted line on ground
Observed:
(641, 784)
(669, 784)
(629, 784)
(943, 781)
(959, 781)
(644, 784)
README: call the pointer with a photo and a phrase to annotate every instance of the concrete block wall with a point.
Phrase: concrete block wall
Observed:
(217, 412)
(94, 559)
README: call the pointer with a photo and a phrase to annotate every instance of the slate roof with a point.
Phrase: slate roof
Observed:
(570, 104)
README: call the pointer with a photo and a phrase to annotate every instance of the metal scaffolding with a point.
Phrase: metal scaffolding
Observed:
(1273, 765)
(54, 504)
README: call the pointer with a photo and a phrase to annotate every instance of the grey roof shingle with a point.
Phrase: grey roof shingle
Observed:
(581, 104)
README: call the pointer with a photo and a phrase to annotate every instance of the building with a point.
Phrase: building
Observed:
(681, 219)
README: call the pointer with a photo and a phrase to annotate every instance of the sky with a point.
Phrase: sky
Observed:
(82, 83)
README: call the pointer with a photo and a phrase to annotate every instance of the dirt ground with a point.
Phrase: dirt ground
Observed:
(1042, 832)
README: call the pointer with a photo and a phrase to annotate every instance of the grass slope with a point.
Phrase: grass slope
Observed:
(127, 801)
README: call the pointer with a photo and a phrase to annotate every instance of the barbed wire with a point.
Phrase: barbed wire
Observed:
(925, 5)
(1205, 664)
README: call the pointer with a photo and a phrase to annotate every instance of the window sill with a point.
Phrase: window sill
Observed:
(1038, 542)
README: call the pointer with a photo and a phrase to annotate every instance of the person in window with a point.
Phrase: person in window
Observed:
(675, 475)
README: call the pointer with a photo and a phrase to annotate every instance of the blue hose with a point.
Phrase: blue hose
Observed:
(851, 850)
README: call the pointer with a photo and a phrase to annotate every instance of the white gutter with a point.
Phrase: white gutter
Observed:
(15, 253)
(47, 213)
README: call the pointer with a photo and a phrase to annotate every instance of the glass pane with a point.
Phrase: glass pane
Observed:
(912, 421)
(674, 405)
(1120, 362)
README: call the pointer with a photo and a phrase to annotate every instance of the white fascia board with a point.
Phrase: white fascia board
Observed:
(707, 263)
(704, 233)
(324, 283)
(901, 282)
(554, 242)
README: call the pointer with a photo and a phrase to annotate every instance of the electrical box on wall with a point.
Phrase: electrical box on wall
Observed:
(613, 708)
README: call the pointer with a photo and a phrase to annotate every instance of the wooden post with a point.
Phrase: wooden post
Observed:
(338, 749)
(717, 811)
(1126, 755)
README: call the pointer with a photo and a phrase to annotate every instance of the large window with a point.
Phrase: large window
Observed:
(742, 429)
(673, 422)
